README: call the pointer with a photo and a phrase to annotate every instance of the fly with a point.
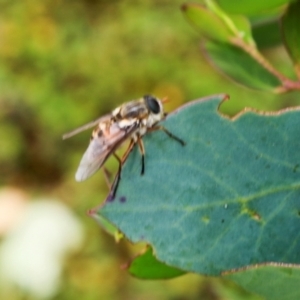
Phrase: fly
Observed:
(132, 120)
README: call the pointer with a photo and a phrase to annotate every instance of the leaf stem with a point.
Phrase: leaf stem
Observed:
(287, 84)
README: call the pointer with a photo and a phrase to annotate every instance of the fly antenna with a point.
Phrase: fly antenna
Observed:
(165, 100)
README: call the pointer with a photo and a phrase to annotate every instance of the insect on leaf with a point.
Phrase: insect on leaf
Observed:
(230, 198)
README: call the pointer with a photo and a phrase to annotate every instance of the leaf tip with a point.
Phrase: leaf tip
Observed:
(226, 97)
(91, 212)
(184, 7)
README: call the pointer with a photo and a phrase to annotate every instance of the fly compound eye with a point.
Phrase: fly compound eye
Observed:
(152, 104)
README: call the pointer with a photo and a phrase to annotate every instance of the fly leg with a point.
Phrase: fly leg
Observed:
(142, 149)
(115, 184)
(113, 187)
(107, 176)
(171, 135)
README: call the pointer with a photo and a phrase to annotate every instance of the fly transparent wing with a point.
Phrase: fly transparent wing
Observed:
(86, 126)
(100, 148)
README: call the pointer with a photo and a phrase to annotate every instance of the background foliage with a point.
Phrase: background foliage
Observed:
(65, 63)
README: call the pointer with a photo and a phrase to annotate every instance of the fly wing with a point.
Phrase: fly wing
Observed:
(86, 126)
(103, 143)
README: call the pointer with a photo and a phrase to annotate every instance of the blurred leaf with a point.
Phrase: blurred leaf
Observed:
(205, 21)
(237, 24)
(248, 7)
(280, 282)
(266, 33)
(244, 29)
(215, 24)
(290, 31)
(146, 266)
(227, 200)
(241, 67)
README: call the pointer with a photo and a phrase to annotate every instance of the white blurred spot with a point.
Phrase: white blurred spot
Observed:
(12, 205)
(32, 253)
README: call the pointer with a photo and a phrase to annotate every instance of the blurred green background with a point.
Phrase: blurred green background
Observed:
(65, 63)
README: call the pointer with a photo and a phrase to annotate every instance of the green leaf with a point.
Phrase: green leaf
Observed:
(206, 22)
(216, 25)
(243, 28)
(241, 67)
(290, 31)
(146, 266)
(106, 225)
(238, 25)
(266, 33)
(249, 7)
(226, 200)
(280, 281)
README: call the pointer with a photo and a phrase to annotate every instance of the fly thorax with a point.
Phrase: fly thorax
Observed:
(139, 132)
(116, 113)
(124, 123)
(143, 123)
(142, 131)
